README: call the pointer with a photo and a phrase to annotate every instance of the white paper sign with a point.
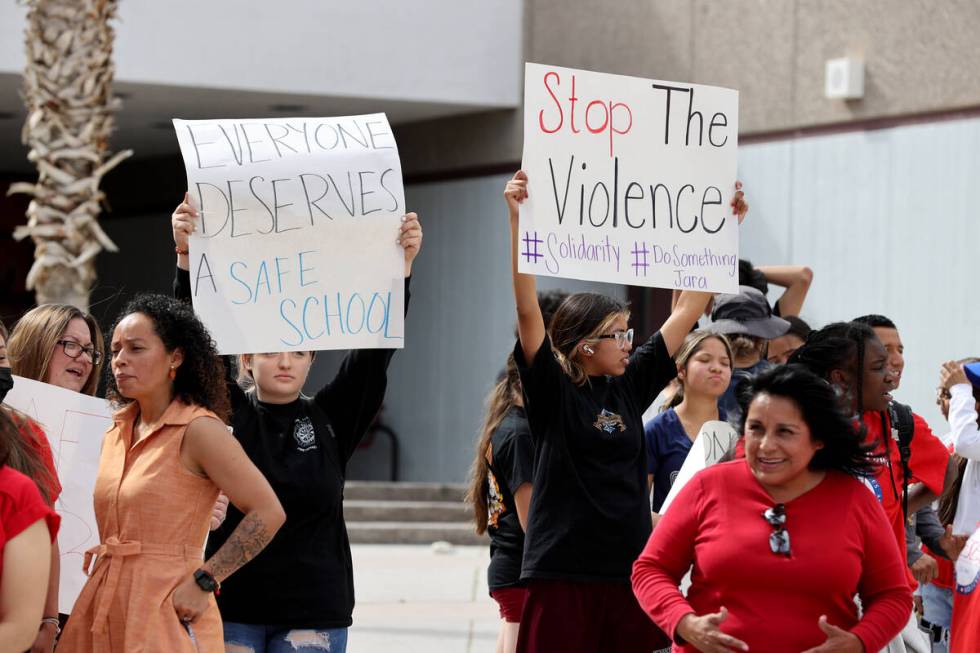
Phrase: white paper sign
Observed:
(296, 246)
(968, 565)
(75, 425)
(715, 439)
(629, 180)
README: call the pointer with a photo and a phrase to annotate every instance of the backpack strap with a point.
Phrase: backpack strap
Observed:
(903, 428)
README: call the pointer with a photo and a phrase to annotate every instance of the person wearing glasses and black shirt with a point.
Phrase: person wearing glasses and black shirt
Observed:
(782, 540)
(584, 395)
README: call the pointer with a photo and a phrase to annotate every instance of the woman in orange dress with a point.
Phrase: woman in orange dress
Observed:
(162, 462)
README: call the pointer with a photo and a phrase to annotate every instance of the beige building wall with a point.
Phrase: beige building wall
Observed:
(921, 56)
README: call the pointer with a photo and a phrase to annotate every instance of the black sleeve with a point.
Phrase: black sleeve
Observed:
(182, 285)
(649, 371)
(930, 530)
(541, 383)
(519, 459)
(354, 397)
(182, 291)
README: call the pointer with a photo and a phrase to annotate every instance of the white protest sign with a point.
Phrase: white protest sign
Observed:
(75, 425)
(296, 246)
(714, 441)
(629, 180)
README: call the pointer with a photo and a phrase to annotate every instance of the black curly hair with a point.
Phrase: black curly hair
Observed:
(843, 440)
(200, 378)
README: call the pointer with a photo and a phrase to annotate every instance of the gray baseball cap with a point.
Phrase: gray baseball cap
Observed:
(746, 313)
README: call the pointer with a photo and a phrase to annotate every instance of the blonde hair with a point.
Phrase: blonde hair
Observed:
(692, 344)
(745, 346)
(34, 338)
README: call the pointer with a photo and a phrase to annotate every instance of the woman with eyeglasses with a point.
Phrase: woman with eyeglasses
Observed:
(61, 345)
(781, 541)
(585, 390)
(57, 344)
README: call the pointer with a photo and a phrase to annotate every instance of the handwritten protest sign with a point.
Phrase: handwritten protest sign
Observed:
(629, 180)
(714, 441)
(296, 246)
(74, 424)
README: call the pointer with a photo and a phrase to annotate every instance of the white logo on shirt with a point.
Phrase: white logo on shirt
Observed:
(304, 434)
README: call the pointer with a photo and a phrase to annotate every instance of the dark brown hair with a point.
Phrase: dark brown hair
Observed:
(582, 316)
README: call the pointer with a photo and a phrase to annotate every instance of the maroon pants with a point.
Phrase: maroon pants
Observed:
(579, 617)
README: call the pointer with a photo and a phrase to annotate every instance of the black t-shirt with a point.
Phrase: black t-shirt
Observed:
(303, 578)
(512, 467)
(590, 512)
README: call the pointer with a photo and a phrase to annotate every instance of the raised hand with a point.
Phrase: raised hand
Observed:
(516, 192)
(183, 221)
(410, 238)
(739, 206)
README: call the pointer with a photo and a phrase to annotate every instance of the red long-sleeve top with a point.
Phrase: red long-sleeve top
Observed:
(841, 545)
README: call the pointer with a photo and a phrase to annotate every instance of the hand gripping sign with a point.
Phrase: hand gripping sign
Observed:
(629, 180)
(296, 244)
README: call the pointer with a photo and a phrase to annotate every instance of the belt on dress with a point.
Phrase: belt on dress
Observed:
(115, 551)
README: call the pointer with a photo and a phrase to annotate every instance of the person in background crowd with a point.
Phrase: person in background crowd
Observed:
(749, 324)
(28, 526)
(796, 279)
(31, 455)
(301, 587)
(963, 382)
(584, 395)
(500, 488)
(888, 334)
(704, 370)
(852, 359)
(60, 345)
(160, 468)
(758, 532)
(781, 348)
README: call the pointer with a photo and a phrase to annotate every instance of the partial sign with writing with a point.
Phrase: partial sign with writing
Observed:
(629, 180)
(75, 424)
(296, 247)
(715, 441)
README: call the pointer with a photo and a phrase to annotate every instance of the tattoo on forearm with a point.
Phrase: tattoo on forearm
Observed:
(243, 544)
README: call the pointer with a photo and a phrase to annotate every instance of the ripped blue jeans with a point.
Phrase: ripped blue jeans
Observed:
(252, 638)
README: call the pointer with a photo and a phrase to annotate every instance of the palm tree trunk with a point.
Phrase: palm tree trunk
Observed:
(67, 90)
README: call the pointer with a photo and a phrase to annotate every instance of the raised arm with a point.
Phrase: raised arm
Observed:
(530, 322)
(796, 279)
(209, 449)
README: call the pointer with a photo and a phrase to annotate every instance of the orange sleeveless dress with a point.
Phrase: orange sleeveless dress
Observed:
(153, 516)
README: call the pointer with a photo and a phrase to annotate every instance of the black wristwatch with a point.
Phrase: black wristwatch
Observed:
(207, 582)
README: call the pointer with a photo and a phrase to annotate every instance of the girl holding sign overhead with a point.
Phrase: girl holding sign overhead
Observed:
(584, 397)
(300, 589)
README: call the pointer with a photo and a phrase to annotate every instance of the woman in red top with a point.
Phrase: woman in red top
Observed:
(780, 541)
(27, 527)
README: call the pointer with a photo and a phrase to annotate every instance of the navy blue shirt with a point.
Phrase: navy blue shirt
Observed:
(667, 448)
(727, 401)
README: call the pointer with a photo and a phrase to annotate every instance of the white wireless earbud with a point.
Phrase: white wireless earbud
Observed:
(588, 349)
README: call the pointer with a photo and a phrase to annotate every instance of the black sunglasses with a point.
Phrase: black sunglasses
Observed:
(779, 538)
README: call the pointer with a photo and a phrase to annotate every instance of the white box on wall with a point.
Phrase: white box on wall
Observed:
(844, 79)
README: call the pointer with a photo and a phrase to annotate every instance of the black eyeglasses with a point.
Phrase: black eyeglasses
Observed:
(74, 350)
(622, 338)
(779, 538)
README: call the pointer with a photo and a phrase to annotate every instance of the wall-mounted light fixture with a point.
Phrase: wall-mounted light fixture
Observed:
(844, 79)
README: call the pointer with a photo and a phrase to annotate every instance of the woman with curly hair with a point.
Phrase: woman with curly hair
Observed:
(161, 466)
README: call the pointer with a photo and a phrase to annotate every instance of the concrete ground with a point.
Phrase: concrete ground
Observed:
(422, 599)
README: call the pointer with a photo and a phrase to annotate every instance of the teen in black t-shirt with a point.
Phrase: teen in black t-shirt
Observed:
(585, 394)
(303, 580)
(500, 492)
